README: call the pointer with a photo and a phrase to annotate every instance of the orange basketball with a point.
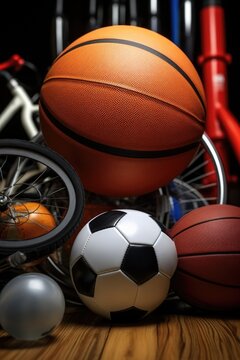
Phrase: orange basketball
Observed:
(26, 221)
(126, 107)
(207, 240)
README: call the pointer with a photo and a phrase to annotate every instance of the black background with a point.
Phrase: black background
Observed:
(26, 29)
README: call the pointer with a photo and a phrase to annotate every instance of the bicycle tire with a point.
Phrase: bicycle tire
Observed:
(67, 219)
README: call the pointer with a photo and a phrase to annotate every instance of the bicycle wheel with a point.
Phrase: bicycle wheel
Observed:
(202, 183)
(41, 199)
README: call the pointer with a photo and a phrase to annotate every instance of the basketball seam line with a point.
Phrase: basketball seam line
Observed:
(206, 221)
(206, 280)
(140, 154)
(142, 47)
(209, 253)
(120, 88)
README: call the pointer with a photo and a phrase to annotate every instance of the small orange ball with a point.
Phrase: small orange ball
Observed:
(26, 221)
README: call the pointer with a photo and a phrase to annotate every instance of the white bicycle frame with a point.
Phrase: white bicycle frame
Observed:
(20, 102)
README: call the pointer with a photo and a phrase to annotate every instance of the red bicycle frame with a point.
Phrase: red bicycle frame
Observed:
(15, 61)
(221, 125)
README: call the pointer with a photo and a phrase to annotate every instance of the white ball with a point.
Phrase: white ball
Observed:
(31, 306)
(121, 264)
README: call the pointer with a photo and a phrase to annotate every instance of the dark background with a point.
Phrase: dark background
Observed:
(26, 29)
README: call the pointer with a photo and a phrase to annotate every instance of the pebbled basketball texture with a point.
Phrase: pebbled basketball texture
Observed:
(126, 107)
(208, 247)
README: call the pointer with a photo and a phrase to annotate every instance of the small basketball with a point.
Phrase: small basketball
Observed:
(208, 247)
(26, 221)
(126, 107)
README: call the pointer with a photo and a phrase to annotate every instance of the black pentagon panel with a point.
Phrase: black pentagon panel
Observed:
(140, 263)
(106, 220)
(128, 315)
(84, 277)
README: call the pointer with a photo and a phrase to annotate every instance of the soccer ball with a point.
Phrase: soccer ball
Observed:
(121, 264)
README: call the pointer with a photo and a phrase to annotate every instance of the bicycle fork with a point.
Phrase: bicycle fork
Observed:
(221, 125)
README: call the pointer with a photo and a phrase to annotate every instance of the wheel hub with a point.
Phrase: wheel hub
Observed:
(4, 200)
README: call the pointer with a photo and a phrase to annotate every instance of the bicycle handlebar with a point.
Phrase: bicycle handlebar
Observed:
(15, 61)
(20, 100)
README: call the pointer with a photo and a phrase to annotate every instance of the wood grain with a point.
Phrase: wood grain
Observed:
(180, 334)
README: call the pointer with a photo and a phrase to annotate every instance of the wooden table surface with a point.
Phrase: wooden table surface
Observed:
(172, 332)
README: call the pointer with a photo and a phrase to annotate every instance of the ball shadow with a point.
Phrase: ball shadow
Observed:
(81, 315)
(10, 343)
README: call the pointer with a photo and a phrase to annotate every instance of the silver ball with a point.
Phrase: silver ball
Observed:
(31, 306)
